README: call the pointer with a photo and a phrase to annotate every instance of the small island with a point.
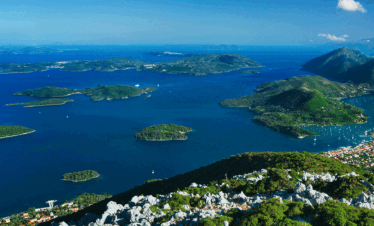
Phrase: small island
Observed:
(285, 105)
(13, 131)
(115, 92)
(43, 103)
(80, 176)
(249, 72)
(163, 132)
(49, 91)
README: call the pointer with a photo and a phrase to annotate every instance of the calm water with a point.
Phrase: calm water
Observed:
(100, 135)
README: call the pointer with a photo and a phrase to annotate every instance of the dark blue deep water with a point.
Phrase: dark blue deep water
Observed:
(100, 135)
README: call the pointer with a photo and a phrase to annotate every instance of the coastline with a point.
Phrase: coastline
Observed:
(17, 135)
(81, 180)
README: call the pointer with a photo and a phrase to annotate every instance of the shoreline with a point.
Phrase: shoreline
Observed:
(81, 180)
(17, 135)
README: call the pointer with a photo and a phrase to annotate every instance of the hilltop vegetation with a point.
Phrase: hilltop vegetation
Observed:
(163, 132)
(115, 92)
(40, 103)
(336, 63)
(48, 91)
(204, 64)
(80, 176)
(276, 178)
(8, 131)
(305, 100)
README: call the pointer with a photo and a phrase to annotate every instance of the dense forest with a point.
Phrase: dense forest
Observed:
(163, 132)
(80, 176)
(6, 131)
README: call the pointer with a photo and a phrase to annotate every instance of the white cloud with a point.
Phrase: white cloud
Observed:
(333, 37)
(351, 5)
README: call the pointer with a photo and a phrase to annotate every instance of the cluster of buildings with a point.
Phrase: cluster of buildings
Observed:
(361, 155)
(44, 216)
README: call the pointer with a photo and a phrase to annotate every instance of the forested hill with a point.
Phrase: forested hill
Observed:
(336, 63)
(304, 100)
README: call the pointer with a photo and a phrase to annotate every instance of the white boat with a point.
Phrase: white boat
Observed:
(158, 85)
(153, 171)
(67, 116)
(137, 85)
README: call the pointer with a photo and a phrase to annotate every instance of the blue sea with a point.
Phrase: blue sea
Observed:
(100, 135)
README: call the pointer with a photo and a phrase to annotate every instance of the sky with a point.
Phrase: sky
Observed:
(176, 22)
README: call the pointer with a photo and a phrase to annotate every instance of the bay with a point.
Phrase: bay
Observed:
(100, 135)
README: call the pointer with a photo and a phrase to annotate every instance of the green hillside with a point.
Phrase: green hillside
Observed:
(305, 100)
(276, 178)
(336, 63)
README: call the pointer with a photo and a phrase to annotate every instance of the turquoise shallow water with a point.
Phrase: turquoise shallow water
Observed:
(100, 135)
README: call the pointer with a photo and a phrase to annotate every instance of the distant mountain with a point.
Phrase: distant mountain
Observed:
(336, 63)
(365, 46)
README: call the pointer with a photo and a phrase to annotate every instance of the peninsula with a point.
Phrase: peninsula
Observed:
(163, 132)
(191, 65)
(306, 100)
(43, 103)
(13, 131)
(80, 176)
